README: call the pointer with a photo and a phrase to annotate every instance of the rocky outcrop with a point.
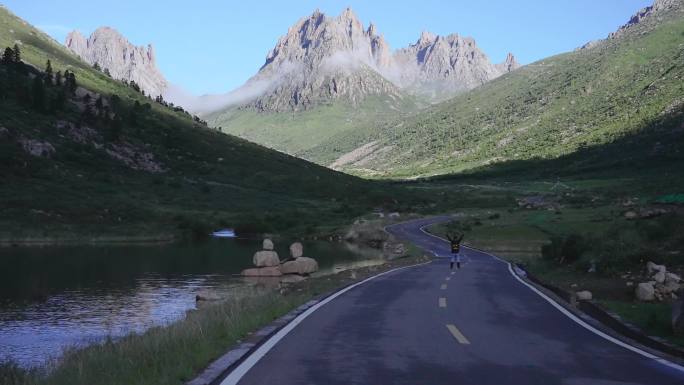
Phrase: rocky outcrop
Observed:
(662, 285)
(642, 17)
(38, 148)
(444, 65)
(323, 59)
(123, 60)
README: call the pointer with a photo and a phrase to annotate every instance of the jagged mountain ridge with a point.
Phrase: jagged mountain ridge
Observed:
(125, 61)
(322, 59)
(446, 65)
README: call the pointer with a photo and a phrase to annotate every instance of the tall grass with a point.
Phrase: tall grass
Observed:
(163, 355)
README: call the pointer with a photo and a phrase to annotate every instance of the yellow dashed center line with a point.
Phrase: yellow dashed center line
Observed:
(458, 335)
(442, 302)
(443, 286)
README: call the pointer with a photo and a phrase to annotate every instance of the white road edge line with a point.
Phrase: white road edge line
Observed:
(574, 317)
(236, 375)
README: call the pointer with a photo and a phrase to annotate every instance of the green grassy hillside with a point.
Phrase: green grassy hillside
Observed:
(115, 163)
(320, 134)
(579, 100)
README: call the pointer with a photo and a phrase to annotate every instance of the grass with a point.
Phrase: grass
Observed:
(320, 134)
(655, 318)
(549, 109)
(210, 179)
(176, 353)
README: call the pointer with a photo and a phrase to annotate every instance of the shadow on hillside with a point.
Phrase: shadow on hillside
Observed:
(656, 149)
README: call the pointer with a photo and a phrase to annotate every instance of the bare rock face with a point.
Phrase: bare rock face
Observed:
(301, 265)
(444, 65)
(643, 17)
(266, 258)
(125, 61)
(322, 59)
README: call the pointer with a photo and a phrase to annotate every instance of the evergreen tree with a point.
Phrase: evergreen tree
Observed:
(96, 66)
(106, 72)
(17, 54)
(48, 73)
(59, 100)
(38, 92)
(99, 104)
(58, 78)
(86, 99)
(8, 56)
(70, 82)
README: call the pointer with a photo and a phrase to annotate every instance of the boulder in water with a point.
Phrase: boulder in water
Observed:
(301, 265)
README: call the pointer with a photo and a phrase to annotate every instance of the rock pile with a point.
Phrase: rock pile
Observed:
(299, 265)
(661, 286)
(268, 263)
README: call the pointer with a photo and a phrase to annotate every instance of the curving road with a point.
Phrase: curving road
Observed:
(424, 325)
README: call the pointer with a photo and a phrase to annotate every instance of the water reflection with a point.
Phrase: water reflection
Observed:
(51, 298)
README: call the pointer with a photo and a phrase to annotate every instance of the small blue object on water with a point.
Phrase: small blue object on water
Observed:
(225, 233)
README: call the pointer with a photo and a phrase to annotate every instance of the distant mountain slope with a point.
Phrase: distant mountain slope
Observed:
(87, 156)
(112, 52)
(330, 78)
(618, 87)
(325, 59)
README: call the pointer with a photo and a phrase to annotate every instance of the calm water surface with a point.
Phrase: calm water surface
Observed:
(56, 297)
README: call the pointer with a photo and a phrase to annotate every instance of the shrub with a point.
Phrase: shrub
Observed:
(564, 250)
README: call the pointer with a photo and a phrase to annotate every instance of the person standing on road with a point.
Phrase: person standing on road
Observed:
(455, 241)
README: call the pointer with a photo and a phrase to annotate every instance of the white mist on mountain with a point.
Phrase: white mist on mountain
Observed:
(243, 94)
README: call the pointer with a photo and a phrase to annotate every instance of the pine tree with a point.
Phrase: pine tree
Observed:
(70, 82)
(8, 56)
(17, 54)
(99, 104)
(38, 91)
(58, 78)
(48, 73)
(106, 72)
(96, 66)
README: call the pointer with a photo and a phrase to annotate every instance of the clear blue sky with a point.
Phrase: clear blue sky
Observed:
(214, 46)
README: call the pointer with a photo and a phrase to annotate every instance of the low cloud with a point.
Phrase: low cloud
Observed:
(249, 91)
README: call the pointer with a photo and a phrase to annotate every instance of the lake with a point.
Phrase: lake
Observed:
(56, 297)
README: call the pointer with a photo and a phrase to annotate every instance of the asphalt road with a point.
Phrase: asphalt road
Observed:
(425, 325)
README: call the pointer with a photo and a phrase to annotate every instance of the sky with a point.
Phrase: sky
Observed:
(210, 47)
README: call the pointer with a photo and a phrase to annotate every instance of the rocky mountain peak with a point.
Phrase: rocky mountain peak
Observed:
(325, 58)
(509, 64)
(440, 66)
(125, 61)
(644, 14)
